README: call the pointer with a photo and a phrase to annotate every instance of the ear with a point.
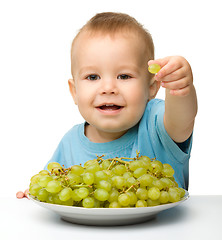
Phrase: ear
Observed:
(153, 88)
(72, 89)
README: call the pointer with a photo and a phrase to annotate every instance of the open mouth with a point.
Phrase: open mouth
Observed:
(109, 107)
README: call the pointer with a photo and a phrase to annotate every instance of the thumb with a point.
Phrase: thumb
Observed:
(160, 61)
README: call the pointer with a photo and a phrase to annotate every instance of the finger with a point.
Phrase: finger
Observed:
(181, 92)
(20, 194)
(174, 85)
(160, 61)
(168, 69)
(174, 76)
(26, 193)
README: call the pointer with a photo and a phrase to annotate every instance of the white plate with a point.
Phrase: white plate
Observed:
(107, 216)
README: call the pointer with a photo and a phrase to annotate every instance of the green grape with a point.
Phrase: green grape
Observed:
(139, 172)
(154, 193)
(145, 180)
(54, 186)
(134, 165)
(93, 168)
(42, 195)
(119, 169)
(175, 184)
(101, 194)
(157, 183)
(145, 164)
(151, 203)
(43, 180)
(34, 189)
(142, 193)
(65, 194)
(53, 165)
(113, 195)
(124, 199)
(108, 173)
(57, 200)
(133, 198)
(105, 164)
(113, 180)
(182, 192)
(114, 204)
(88, 202)
(164, 197)
(76, 169)
(68, 202)
(50, 198)
(174, 195)
(119, 182)
(104, 185)
(74, 178)
(154, 68)
(54, 177)
(90, 162)
(75, 195)
(127, 175)
(167, 170)
(44, 172)
(82, 192)
(100, 175)
(88, 178)
(35, 179)
(157, 166)
(97, 203)
(167, 183)
(141, 203)
(130, 181)
(145, 159)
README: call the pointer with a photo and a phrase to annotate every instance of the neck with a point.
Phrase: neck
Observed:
(98, 136)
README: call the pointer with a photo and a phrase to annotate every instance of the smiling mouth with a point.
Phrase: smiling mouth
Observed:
(110, 107)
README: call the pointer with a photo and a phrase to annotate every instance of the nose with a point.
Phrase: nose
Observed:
(108, 86)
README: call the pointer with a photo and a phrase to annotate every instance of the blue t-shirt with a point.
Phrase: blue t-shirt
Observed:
(149, 137)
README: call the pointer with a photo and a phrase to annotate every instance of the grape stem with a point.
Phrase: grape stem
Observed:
(132, 186)
(121, 161)
(83, 185)
(111, 164)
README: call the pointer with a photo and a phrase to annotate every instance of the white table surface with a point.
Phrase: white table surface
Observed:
(199, 217)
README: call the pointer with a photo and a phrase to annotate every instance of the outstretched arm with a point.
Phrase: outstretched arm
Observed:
(180, 101)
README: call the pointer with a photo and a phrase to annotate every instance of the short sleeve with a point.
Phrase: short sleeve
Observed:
(179, 153)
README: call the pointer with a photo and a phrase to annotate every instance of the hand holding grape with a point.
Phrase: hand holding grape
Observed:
(175, 74)
(21, 194)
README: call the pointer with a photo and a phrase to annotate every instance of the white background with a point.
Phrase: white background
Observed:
(37, 109)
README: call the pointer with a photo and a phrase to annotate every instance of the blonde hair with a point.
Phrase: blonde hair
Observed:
(112, 23)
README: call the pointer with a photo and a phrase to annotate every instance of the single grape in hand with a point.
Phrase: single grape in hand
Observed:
(154, 68)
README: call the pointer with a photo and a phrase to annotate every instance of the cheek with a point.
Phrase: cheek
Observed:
(138, 101)
(139, 96)
(81, 94)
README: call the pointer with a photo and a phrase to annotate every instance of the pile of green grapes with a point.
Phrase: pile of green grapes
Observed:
(108, 183)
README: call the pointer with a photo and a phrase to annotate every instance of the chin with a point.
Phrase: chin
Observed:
(115, 129)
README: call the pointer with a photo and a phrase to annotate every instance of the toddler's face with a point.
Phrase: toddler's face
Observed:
(110, 85)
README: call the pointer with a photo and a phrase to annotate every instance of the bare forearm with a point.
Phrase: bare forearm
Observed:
(180, 112)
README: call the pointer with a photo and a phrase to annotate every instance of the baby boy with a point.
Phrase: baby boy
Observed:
(115, 94)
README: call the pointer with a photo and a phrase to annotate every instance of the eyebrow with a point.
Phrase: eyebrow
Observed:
(133, 67)
(86, 69)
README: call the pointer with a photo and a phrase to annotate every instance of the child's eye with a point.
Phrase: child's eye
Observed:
(93, 77)
(123, 76)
